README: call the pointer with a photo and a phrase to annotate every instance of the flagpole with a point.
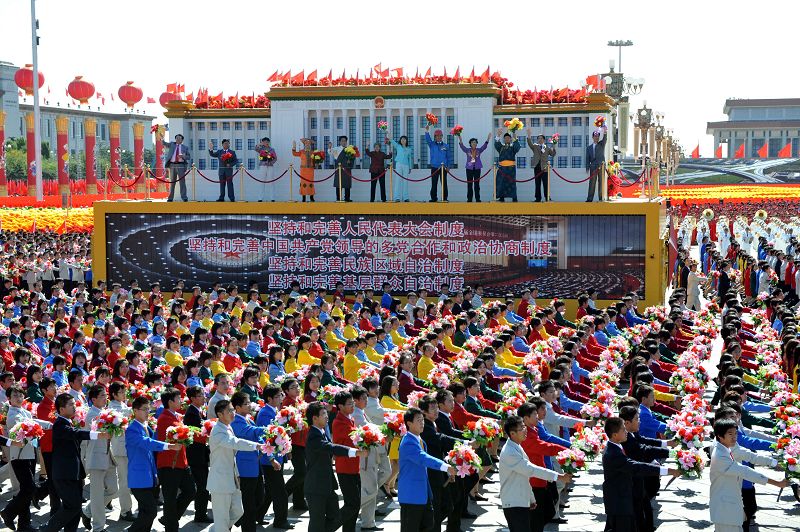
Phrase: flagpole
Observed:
(37, 134)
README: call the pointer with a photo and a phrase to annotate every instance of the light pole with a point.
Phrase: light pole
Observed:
(620, 45)
(37, 134)
(619, 88)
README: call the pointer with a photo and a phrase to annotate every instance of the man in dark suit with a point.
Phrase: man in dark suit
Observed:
(595, 159)
(68, 470)
(346, 162)
(618, 473)
(178, 159)
(227, 162)
(197, 454)
(642, 449)
(438, 445)
(460, 489)
(724, 282)
(320, 483)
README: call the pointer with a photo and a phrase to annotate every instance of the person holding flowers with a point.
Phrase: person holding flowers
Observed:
(516, 496)
(227, 162)
(595, 161)
(506, 179)
(103, 487)
(440, 160)
(345, 157)
(474, 164)
(272, 466)
(247, 461)
(403, 163)
(306, 156)
(347, 468)
(377, 170)
(267, 157)
(541, 153)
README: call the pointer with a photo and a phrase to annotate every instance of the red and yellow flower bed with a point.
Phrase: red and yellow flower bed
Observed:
(732, 193)
(79, 220)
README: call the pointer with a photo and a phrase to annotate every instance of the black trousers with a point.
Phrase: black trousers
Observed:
(226, 179)
(437, 175)
(200, 476)
(621, 523)
(457, 502)
(416, 517)
(473, 184)
(274, 493)
(69, 514)
(55, 502)
(178, 489)
(295, 483)
(147, 499)
(20, 505)
(441, 497)
(545, 509)
(750, 506)
(323, 512)
(252, 497)
(380, 180)
(519, 519)
(540, 182)
(351, 495)
(338, 198)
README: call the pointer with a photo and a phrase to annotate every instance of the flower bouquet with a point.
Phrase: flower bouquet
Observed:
(367, 436)
(110, 421)
(226, 158)
(266, 155)
(432, 119)
(483, 431)
(554, 139)
(181, 434)
(276, 441)
(328, 393)
(595, 409)
(544, 350)
(24, 431)
(393, 424)
(441, 375)
(464, 459)
(514, 389)
(571, 461)
(515, 124)
(457, 130)
(351, 152)
(208, 426)
(79, 419)
(383, 126)
(691, 462)
(463, 363)
(533, 367)
(290, 418)
(413, 398)
(317, 156)
(599, 121)
(366, 372)
(788, 456)
(592, 441)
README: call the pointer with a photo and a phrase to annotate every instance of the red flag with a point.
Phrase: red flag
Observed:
(472, 76)
(762, 151)
(485, 76)
(172, 87)
(329, 76)
(457, 75)
(445, 73)
(428, 73)
(344, 75)
(416, 76)
(718, 152)
(378, 69)
(103, 100)
(151, 100)
(190, 97)
(99, 95)
(273, 77)
(786, 151)
(181, 88)
(287, 76)
(398, 72)
(696, 152)
(217, 98)
(385, 73)
(62, 228)
(739, 152)
(312, 76)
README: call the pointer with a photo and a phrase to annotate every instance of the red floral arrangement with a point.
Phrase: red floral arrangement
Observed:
(367, 436)
(265, 155)
(432, 119)
(318, 156)
(25, 431)
(393, 424)
(464, 459)
(599, 121)
(227, 156)
(457, 130)
(181, 434)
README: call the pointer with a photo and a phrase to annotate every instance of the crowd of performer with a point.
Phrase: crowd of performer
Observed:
(467, 391)
(344, 157)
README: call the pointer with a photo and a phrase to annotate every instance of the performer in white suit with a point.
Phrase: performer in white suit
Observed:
(726, 505)
(119, 404)
(223, 478)
(99, 464)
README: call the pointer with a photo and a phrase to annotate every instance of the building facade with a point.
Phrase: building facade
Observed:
(755, 122)
(325, 113)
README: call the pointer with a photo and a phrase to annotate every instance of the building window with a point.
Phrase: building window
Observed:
(562, 161)
(326, 123)
(577, 121)
(535, 122)
(577, 161)
(251, 126)
(191, 144)
(102, 132)
(451, 121)
(191, 126)
(73, 130)
(423, 155)
(496, 123)
(423, 121)
(201, 144)
(251, 164)
(214, 163)
(202, 127)
(563, 121)
(563, 142)
(251, 144)
(237, 126)
(237, 144)
(201, 164)
(226, 126)
(409, 130)
(262, 125)
(325, 141)
(212, 126)
(522, 162)
(313, 122)
(339, 123)
(577, 141)
(396, 128)
(351, 130)
(548, 122)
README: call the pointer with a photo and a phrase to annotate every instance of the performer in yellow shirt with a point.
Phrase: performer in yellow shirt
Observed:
(351, 362)
(426, 363)
(331, 339)
(372, 339)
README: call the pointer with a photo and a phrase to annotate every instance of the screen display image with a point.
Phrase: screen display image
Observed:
(559, 255)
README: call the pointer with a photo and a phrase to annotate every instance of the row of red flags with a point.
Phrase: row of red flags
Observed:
(376, 72)
(762, 152)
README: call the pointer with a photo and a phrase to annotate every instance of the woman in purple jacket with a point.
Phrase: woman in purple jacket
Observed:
(474, 166)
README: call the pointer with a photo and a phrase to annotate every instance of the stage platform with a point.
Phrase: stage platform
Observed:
(559, 248)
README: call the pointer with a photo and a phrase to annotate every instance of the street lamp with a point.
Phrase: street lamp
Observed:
(620, 45)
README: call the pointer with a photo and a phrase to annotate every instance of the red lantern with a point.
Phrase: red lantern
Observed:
(24, 79)
(167, 97)
(80, 90)
(129, 94)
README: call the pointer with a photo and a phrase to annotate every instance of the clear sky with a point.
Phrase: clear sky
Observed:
(692, 54)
